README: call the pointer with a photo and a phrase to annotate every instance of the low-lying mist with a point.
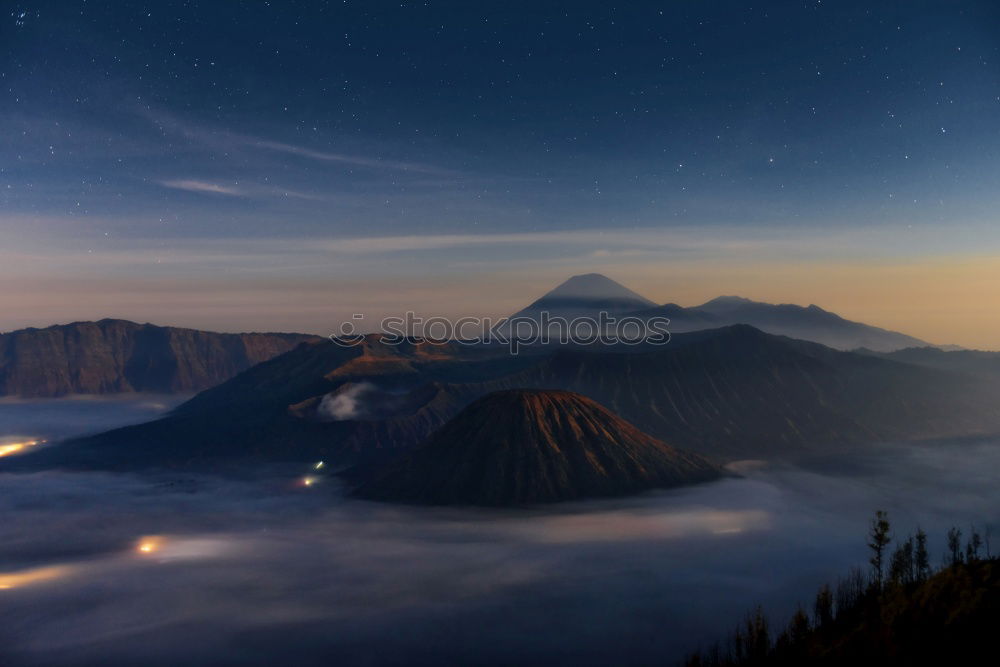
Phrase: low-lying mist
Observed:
(121, 569)
(52, 419)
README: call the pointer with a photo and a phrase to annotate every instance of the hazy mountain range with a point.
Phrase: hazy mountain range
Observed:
(730, 393)
(589, 294)
(397, 417)
(115, 356)
(973, 362)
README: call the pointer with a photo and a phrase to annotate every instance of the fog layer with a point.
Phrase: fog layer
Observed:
(263, 569)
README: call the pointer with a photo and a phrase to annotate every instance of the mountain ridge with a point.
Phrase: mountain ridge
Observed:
(726, 394)
(806, 322)
(120, 356)
(110, 356)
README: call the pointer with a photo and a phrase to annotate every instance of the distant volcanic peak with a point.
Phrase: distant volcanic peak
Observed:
(518, 447)
(594, 286)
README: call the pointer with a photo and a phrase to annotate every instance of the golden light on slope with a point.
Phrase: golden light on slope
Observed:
(309, 480)
(12, 448)
(9, 580)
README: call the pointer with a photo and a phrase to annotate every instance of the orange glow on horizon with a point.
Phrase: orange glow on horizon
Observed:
(942, 298)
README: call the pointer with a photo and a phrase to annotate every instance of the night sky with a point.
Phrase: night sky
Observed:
(282, 165)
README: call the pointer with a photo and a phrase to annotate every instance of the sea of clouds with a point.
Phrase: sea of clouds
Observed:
(258, 568)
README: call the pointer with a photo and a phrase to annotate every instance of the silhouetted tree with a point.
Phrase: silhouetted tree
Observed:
(901, 570)
(921, 561)
(714, 655)
(973, 545)
(904, 613)
(798, 627)
(738, 645)
(850, 590)
(823, 607)
(954, 546)
(757, 637)
(878, 540)
(792, 642)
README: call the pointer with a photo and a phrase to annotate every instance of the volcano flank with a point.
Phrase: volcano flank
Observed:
(519, 447)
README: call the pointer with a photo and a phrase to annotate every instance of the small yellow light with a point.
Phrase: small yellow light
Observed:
(309, 480)
(148, 545)
(319, 466)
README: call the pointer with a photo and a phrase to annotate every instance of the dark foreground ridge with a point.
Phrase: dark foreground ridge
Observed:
(521, 447)
(902, 613)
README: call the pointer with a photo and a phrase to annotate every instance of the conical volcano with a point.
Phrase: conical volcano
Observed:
(520, 447)
(586, 295)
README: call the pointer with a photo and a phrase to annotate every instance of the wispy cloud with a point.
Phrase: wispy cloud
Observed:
(203, 186)
(166, 122)
(353, 160)
(389, 244)
(245, 190)
(687, 242)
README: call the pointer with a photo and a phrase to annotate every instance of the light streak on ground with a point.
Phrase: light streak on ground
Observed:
(12, 448)
(9, 580)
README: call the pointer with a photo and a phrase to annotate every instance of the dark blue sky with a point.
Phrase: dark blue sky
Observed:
(132, 127)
